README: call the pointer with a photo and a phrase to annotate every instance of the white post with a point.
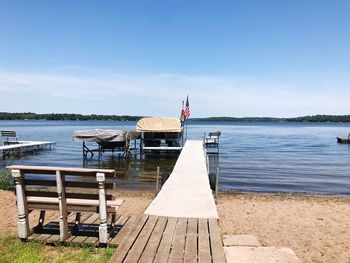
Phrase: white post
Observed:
(157, 182)
(23, 224)
(103, 233)
(62, 206)
(217, 179)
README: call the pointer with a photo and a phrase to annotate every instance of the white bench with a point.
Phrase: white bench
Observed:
(66, 190)
(10, 137)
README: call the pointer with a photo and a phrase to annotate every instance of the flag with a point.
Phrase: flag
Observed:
(187, 109)
(182, 116)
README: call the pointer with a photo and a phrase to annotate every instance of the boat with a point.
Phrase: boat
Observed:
(160, 134)
(343, 139)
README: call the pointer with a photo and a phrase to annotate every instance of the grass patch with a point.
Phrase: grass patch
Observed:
(6, 180)
(15, 251)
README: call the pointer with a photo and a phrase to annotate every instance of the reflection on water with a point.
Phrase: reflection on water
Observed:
(136, 171)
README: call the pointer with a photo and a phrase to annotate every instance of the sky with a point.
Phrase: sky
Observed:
(233, 58)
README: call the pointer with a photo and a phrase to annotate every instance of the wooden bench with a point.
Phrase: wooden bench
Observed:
(66, 190)
(10, 137)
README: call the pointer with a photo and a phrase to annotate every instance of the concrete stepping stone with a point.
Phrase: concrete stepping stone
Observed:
(240, 240)
(238, 254)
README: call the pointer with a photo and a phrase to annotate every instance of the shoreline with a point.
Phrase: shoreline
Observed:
(316, 227)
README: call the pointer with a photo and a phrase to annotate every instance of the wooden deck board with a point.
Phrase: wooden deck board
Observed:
(218, 254)
(178, 243)
(128, 241)
(191, 241)
(204, 255)
(165, 244)
(154, 241)
(139, 245)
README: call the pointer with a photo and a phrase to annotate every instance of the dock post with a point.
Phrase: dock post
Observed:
(217, 179)
(157, 182)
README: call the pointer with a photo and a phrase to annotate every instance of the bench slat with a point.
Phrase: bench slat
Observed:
(73, 201)
(64, 170)
(71, 184)
(68, 195)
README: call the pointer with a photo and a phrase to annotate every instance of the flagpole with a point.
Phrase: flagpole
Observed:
(183, 103)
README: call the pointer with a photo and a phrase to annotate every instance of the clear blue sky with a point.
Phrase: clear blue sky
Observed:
(233, 58)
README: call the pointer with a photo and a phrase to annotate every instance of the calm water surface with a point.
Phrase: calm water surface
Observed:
(264, 157)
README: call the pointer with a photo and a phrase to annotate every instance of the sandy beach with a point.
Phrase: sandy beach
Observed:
(317, 228)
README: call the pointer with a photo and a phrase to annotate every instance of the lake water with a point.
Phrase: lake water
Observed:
(264, 157)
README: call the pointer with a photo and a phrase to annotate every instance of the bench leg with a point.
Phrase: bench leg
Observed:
(41, 221)
(77, 220)
(23, 224)
(103, 230)
(62, 206)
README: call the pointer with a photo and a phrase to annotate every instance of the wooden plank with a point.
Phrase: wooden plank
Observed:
(53, 239)
(178, 243)
(64, 170)
(191, 241)
(154, 241)
(204, 255)
(83, 225)
(86, 226)
(70, 184)
(141, 241)
(129, 240)
(122, 220)
(33, 236)
(165, 244)
(127, 227)
(216, 245)
(55, 168)
(43, 237)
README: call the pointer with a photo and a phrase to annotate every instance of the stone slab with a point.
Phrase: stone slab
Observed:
(241, 240)
(239, 254)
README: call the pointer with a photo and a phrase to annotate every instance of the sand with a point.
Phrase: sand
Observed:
(317, 228)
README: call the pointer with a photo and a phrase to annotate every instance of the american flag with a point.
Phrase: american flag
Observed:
(187, 109)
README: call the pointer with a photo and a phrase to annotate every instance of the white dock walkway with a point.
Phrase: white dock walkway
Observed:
(187, 192)
(23, 146)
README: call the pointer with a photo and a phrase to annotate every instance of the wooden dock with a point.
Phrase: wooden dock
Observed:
(24, 146)
(144, 238)
(164, 239)
(187, 191)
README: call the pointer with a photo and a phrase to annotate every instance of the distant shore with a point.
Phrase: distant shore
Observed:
(95, 117)
(317, 228)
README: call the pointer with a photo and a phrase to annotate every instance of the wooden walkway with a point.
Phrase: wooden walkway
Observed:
(169, 239)
(146, 238)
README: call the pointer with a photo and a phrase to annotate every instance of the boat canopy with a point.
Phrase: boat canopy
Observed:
(100, 135)
(159, 124)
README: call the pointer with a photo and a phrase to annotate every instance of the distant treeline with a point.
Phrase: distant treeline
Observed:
(314, 118)
(65, 116)
(81, 117)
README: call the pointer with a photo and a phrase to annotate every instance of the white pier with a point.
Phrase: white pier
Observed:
(24, 146)
(187, 191)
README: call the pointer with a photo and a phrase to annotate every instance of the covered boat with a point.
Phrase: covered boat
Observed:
(160, 134)
(107, 140)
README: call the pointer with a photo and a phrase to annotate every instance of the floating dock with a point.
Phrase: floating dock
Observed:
(24, 146)
(187, 191)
